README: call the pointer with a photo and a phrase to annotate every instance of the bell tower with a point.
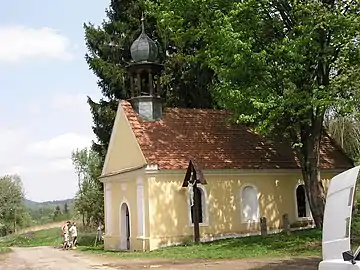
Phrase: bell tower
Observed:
(144, 72)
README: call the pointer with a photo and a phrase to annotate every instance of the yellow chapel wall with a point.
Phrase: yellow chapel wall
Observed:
(124, 189)
(124, 151)
(169, 213)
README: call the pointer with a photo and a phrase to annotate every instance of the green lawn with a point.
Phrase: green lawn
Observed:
(48, 237)
(4, 250)
(301, 243)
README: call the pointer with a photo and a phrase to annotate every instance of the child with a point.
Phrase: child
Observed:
(65, 231)
(73, 231)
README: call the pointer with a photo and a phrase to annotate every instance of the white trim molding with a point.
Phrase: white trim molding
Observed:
(124, 173)
(151, 168)
(307, 205)
(108, 210)
(243, 218)
(204, 207)
(140, 207)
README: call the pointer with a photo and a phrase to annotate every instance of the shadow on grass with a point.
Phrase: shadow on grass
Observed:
(293, 264)
(297, 244)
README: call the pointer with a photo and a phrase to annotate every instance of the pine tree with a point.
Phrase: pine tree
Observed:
(108, 53)
(186, 82)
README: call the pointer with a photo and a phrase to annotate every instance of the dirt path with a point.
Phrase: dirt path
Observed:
(49, 258)
(41, 227)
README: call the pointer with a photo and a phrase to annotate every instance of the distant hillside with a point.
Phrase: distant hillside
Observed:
(48, 204)
(50, 211)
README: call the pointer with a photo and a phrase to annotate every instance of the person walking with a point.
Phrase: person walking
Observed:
(65, 231)
(73, 231)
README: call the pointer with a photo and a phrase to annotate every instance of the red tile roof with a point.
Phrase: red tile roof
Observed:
(215, 144)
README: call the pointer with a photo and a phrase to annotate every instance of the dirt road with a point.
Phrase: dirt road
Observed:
(41, 227)
(49, 258)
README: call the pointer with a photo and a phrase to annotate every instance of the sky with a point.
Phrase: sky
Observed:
(44, 83)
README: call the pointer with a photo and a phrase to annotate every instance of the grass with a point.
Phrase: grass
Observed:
(47, 237)
(4, 250)
(298, 244)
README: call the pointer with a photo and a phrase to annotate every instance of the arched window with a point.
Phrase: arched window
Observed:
(301, 202)
(250, 204)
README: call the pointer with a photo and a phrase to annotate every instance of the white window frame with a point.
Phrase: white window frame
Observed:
(257, 220)
(307, 205)
(204, 207)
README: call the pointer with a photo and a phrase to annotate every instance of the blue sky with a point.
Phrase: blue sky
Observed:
(44, 81)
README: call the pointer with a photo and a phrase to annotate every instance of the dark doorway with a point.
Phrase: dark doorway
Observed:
(125, 227)
(301, 201)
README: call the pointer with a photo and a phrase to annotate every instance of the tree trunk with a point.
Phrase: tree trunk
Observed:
(311, 138)
(315, 193)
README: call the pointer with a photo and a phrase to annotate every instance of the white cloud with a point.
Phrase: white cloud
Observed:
(11, 139)
(38, 144)
(69, 100)
(18, 42)
(13, 170)
(59, 147)
(44, 166)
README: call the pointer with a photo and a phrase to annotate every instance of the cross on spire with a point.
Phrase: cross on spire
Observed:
(142, 22)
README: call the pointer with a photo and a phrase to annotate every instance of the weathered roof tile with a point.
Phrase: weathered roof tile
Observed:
(216, 144)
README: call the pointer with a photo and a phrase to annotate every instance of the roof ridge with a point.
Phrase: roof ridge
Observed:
(126, 102)
(204, 135)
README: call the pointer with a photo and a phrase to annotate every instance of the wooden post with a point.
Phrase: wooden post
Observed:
(132, 85)
(196, 211)
(158, 93)
(192, 177)
(151, 85)
(138, 82)
(263, 226)
(286, 223)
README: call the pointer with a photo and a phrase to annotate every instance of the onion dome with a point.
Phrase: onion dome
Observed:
(144, 49)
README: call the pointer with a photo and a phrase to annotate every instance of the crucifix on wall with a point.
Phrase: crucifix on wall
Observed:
(193, 177)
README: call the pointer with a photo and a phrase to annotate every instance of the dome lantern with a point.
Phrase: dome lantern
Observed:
(144, 49)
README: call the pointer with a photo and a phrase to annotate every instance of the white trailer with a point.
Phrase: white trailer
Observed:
(336, 248)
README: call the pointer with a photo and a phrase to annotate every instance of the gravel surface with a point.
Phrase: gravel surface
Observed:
(49, 258)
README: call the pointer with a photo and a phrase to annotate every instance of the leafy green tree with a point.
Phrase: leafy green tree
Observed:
(11, 203)
(57, 213)
(281, 65)
(108, 54)
(89, 200)
(346, 132)
(66, 209)
(186, 81)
